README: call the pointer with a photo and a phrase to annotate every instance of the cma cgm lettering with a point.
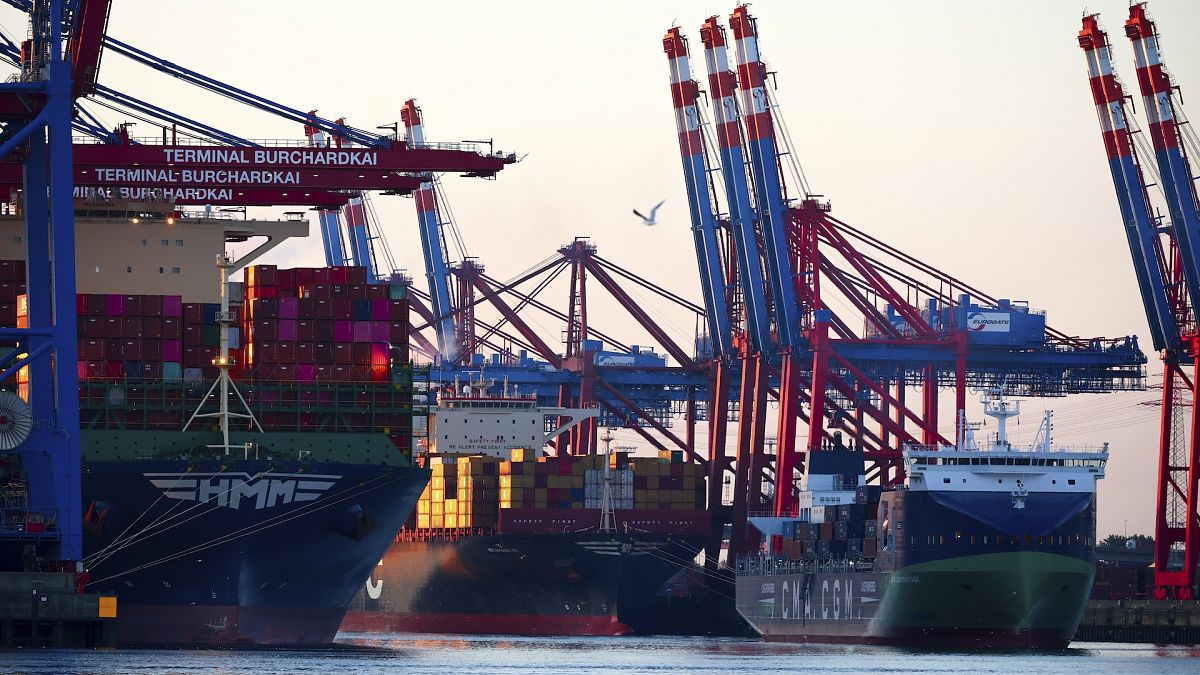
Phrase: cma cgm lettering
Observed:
(227, 176)
(294, 157)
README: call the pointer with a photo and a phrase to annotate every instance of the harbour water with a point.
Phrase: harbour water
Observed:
(365, 654)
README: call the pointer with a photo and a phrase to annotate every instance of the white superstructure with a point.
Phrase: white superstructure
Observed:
(468, 420)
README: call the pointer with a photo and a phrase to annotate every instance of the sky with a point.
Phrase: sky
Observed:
(961, 132)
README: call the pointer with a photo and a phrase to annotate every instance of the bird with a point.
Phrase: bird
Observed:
(649, 220)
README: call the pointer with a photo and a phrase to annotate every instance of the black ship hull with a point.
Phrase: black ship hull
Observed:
(520, 584)
(248, 552)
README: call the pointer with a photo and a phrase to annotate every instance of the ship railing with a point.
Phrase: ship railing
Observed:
(766, 564)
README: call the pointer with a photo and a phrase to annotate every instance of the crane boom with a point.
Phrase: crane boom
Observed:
(328, 219)
(685, 94)
(727, 121)
(1140, 230)
(433, 248)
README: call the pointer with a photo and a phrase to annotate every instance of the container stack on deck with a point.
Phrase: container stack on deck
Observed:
(323, 352)
(471, 491)
(833, 531)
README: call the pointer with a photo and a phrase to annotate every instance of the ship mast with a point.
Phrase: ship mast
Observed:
(606, 510)
(996, 407)
(224, 362)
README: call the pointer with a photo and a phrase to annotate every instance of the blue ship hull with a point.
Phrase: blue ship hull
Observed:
(252, 552)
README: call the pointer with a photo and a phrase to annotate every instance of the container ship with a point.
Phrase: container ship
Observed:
(258, 523)
(507, 540)
(982, 547)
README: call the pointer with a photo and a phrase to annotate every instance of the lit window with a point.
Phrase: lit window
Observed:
(97, 269)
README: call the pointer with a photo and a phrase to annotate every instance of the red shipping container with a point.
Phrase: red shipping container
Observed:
(379, 374)
(152, 305)
(304, 276)
(288, 308)
(151, 327)
(358, 291)
(320, 291)
(343, 331)
(9, 271)
(192, 313)
(285, 372)
(377, 291)
(340, 373)
(339, 291)
(172, 305)
(343, 309)
(362, 331)
(264, 329)
(356, 275)
(323, 353)
(114, 305)
(381, 331)
(398, 309)
(305, 308)
(92, 326)
(133, 305)
(96, 304)
(193, 356)
(151, 350)
(380, 309)
(152, 370)
(131, 326)
(323, 330)
(324, 374)
(306, 372)
(114, 369)
(260, 292)
(398, 334)
(306, 352)
(172, 350)
(81, 309)
(210, 353)
(172, 328)
(95, 368)
(131, 350)
(192, 334)
(338, 274)
(323, 309)
(380, 354)
(266, 352)
(286, 352)
(261, 275)
(264, 308)
(306, 330)
(285, 278)
(360, 354)
(288, 329)
(342, 355)
(95, 350)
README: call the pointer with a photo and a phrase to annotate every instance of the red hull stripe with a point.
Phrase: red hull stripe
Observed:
(488, 624)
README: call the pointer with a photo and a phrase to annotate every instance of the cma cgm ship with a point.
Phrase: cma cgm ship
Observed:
(532, 545)
(983, 547)
(264, 535)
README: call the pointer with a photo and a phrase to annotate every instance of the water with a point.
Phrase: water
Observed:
(363, 654)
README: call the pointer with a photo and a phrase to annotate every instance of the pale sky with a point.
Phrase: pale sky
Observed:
(961, 132)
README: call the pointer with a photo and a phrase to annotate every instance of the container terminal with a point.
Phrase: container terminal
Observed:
(194, 460)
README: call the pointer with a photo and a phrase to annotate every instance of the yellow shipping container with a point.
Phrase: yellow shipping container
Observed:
(437, 508)
(437, 495)
(437, 483)
(451, 520)
(505, 482)
(423, 522)
(423, 507)
(679, 496)
(437, 521)
(451, 506)
(641, 495)
(524, 455)
(577, 482)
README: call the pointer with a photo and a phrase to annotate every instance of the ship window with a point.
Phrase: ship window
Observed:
(1012, 539)
(941, 538)
(144, 242)
(179, 242)
(160, 270)
(1054, 482)
(1028, 539)
(972, 540)
(945, 480)
(175, 270)
(97, 269)
(128, 269)
(16, 240)
(166, 242)
(984, 540)
(958, 534)
(1070, 481)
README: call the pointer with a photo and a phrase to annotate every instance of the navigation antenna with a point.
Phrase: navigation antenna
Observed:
(224, 362)
(995, 406)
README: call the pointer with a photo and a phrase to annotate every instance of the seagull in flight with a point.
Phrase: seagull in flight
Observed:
(649, 220)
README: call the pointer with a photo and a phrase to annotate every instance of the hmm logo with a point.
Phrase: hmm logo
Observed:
(234, 490)
(988, 322)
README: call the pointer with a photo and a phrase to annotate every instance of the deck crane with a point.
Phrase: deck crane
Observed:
(1167, 263)
(433, 245)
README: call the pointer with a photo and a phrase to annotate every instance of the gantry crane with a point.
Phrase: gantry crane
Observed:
(1166, 261)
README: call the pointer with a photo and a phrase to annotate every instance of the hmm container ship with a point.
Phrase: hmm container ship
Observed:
(258, 523)
(982, 547)
(507, 540)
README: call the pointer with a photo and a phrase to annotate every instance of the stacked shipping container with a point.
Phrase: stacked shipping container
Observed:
(834, 532)
(146, 360)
